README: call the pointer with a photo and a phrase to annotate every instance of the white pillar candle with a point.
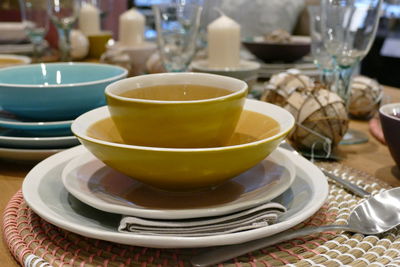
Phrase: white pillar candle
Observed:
(223, 36)
(89, 19)
(131, 28)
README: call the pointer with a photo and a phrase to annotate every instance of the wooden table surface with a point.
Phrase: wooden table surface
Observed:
(371, 157)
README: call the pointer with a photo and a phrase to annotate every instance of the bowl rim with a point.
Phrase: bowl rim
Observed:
(242, 90)
(244, 65)
(24, 59)
(82, 133)
(383, 110)
(143, 47)
(120, 76)
(302, 40)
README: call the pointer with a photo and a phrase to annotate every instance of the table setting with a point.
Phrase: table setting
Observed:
(231, 155)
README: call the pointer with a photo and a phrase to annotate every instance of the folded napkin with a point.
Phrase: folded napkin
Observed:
(256, 217)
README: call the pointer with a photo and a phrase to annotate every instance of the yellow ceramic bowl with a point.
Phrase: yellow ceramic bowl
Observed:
(255, 137)
(176, 123)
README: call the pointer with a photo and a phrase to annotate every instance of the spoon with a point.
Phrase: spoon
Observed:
(375, 215)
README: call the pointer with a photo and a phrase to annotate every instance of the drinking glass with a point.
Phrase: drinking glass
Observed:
(322, 59)
(63, 14)
(177, 27)
(36, 22)
(349, 28)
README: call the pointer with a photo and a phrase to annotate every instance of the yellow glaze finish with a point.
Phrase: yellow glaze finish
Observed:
(187, 169)
(177, 124)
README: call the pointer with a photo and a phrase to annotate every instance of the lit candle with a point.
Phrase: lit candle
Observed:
(131, 28)
(223, 43)
(89, 19)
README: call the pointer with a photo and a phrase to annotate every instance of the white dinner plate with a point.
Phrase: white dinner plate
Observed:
(45, 194)
(12, 32)
(26, 154)
(94, 183)
(22, 48)
(20, 139)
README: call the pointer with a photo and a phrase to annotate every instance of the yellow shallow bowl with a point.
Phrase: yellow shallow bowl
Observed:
(256, 136)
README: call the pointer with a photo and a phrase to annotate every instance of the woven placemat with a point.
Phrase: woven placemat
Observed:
(34, 242)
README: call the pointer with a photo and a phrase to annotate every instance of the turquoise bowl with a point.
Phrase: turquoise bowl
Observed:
(56, 91)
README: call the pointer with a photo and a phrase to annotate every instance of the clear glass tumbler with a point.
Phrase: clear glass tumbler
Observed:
(177, 27)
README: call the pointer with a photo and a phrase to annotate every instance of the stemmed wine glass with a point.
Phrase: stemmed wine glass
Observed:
(322, 59)
(349, 28)
(36, 22)
(63, 14)
(177, 27)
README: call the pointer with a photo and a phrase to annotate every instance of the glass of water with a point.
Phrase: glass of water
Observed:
(349, 28)
(36, 22)
(177, 27)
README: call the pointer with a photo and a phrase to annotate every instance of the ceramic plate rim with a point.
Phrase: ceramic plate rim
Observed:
(277, 189)
(32, 182)
(35, 125)
(27, 153)
(38, 139)
(38, 142)
(244, 65)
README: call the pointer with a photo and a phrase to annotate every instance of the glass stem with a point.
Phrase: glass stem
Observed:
(343, 83)
(65, 44)
(328, 78)
(35, 53)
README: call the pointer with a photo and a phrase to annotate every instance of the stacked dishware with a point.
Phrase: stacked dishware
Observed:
(14, 40)
(177, 160)
(40, 101)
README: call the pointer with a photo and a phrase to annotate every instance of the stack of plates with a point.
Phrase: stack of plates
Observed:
(75, 191)
(13, 39)
(28, 140)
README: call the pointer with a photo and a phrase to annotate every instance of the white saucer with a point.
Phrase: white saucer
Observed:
(18, 139)
(94, 183)
(45, 194)
(26, 154)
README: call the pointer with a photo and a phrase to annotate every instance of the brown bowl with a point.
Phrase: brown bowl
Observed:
(282, 52)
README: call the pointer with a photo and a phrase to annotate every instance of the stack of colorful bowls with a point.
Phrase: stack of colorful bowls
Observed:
(182, 131)
(40, 101)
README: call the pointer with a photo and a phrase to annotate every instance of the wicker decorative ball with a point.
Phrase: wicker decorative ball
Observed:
(366, 94)
(321, 119)
(282, 85)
